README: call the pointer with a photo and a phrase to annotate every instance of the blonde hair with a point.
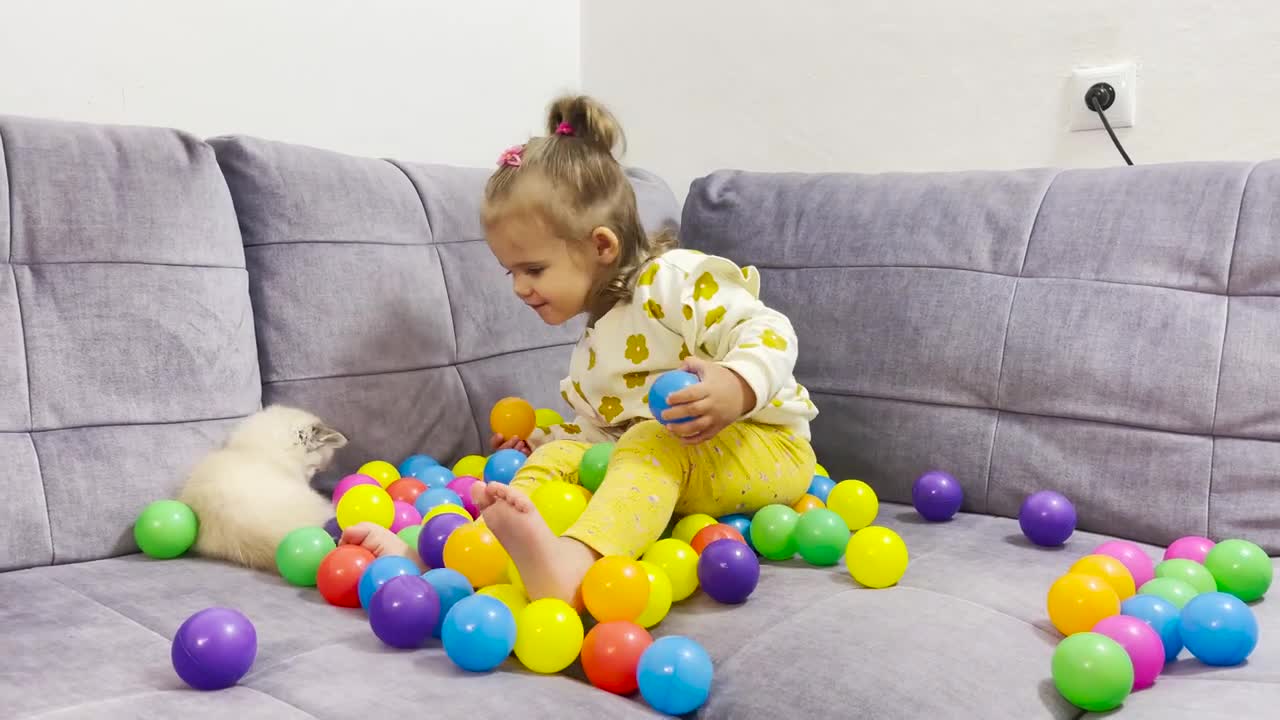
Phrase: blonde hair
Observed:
(572, 180)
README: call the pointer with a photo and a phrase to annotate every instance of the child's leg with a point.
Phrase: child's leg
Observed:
(557, 460)
(747, 466)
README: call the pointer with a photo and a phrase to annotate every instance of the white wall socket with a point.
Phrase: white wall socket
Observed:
(1122, 113)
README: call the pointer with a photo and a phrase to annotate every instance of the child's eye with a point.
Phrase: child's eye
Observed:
(535, 271)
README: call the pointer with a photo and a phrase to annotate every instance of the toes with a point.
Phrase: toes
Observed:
(519, 501)
(478, 496)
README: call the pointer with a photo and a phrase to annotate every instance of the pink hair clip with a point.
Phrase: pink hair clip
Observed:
(512, 156)
(564, 128)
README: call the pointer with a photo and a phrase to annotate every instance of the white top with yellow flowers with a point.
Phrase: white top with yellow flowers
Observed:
(684, 302)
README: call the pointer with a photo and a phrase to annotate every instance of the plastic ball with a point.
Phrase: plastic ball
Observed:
(379, 572)
(742, 524)
(508, 594)
(349, 482)
(821, 487)
(474, 551)
(1076, 602)
(674, 675)
(667, 384)
(299, 554)
(214, 648)
(1190, 572)
(680, 563)
(513, 576)
(855, 502)
(406, 490)
(659, 596)
(437, 496)
(1189, 547)
(1111, 570)
(711, 533)
(1140, 641)
(1092, 671)
(410, 535)
(513, 417)
(472, 465)
(728, 571)
(338, 577)
(546, 417)
(366, 503)
(1177, 592)
(1134, 558)
(876, 557)
(689, 525)
(436, 476)
(611, 653)
(818, 469)
(1241, 568)
(404, 611)
(503, 465)
(615, 588)
(1047, 518)
(381, 470)
(478, 633)
(549, 636)
(445, 509)
(594, 465)
(937, 496)
(414, 464)
(1161, 615)
(450, 587)
(1218, 629)
(559, 503)
(331, 527)
(462, 486)
(165, 529)
(773, 532)
(821, 537)
(406, 516)
(806, 503)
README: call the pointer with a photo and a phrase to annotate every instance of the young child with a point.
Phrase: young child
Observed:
(561, 217)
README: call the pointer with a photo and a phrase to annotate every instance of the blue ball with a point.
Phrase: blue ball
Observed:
(666, 384)
(1161, 615)
(479, 633)
(742, 524)
(503, 465)
(1218, 629)
(379, 572)
(434, 497)
(821, 487)
(674, 675)
(436, 476)
(451, 586)
(415, 464)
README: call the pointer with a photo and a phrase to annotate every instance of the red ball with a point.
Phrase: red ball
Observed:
(611, 652)
(338, 576)
(406, 490)
(712, 533)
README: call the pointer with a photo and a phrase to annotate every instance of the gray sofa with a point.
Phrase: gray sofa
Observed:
(1110, 334)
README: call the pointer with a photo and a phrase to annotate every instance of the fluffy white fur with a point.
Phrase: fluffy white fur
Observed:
(255, 489)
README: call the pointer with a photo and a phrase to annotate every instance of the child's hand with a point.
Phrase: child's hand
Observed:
(378, 540)
(714, 404)
(497, 442)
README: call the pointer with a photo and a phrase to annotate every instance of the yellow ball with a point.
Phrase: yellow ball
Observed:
(659, 596)
(876, 557)
(365, 503)
(559, 503)
(510, 595)
(474, 551)
(546, 417)
(819, 470)
(680, 562)
(1077, 601)
(689, 525)
(381, 470)
(1110, 570)
(855, 502)
(548, 636)
(513, 576)
(470, 466)
(442, 509)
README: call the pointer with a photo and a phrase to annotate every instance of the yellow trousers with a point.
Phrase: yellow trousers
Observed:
(652, 474)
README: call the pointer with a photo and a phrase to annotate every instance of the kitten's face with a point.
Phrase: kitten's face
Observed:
(291, 432)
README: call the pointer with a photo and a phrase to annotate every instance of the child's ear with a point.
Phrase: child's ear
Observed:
(606, 244)
(324, 436)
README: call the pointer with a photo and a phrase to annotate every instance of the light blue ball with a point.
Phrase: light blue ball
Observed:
(674, 675)
(503, 465)
(451, 586)
(1161, 615)
(478, 633)
(434, 497)
(742, 524)
(415, 464)
(1218, 629)
(821, 487)
(379, 572)
(436, 476)
(666, 384)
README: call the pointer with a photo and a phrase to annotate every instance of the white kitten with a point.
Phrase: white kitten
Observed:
(254, 490)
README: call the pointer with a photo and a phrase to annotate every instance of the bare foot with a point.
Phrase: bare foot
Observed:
(550, 566)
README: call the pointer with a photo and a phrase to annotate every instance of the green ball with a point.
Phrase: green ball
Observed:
(1092, 671)
(165, 529)
(1190, 572)
(298, 556)
(821, 536)
(1176, 592)
(773, 532)
(1241, 569)
(595, 462)
(410, 535)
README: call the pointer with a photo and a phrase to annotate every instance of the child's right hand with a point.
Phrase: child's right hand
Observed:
(378, 540)
(497, 442)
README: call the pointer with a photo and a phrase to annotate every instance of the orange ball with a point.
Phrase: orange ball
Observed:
(1077, 602)
(406, 490)
(513, 417)
(338, 577)
(615, 588)
(807, 502)
(473, 551)
(611, 653)
(712, 533)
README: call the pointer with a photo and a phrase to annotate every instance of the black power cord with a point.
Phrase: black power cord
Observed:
(1099, 97)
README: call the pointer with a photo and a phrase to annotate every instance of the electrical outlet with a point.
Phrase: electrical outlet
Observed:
(1122, 113)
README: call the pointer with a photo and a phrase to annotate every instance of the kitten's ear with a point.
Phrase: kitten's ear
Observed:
(324, 436)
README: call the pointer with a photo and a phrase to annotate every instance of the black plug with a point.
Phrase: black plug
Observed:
(1100, 96)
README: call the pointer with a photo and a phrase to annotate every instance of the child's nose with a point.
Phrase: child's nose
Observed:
(523, 287)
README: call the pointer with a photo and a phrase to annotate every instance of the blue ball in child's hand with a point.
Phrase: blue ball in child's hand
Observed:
(503, 465)
(667, 384)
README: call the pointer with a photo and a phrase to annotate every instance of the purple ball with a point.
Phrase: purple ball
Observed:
(434, 533)
(937, 496)
(728, 571)
(331, 527)
(404, 611)
(1047, 518)
(214, 648)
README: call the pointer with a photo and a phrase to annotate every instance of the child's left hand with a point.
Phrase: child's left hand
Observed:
(714, 404)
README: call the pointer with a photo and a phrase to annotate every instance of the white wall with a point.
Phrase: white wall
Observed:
(431, 80)
(926, 84)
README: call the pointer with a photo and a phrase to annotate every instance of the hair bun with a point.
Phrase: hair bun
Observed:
(590, 120)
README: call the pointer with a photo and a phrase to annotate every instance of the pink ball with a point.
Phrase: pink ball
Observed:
(1191, 547)
(349, 482)
(1132, 557)
(1142, 643)
(462, 486)
(406, 515)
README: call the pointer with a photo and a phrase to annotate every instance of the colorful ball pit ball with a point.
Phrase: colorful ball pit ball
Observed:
(611, 654)
(680, 563)
(414, 464)
(472, 465)
(1110, 570)
(806, 503)
(712, 533)
(1140, 641)
(1189, 547)
(366, 503)
(615, 588)
(1092, 671)
(436, 496)
(214, 648)
(663, 388)
(513, 417)
(1132, 556)
(1174, 591)
(478, 633)
(674, 675)
(690, 525)
(1241, 568)
(1047, 518)
(406, 490)
(1162, 616)
(410, 535)
(773, 532)
(331, 527)
(549, 636)
(404, 611)
(165, 529)
(435, 532)
(728, 571)
(937, 496)
(437, 477)
(1188, 571)
(1218, 629)
(462, 486)
(821, 537)
(349, 482)
(451, 587)
(381, 470)
(559, 503)
(379, 572)
(1076, 602)
(820, 487)
(406, 516)
(503, 465)
(659, 596)
(546, 417)
(338, 577)
(474, 551)
(299, 554)
(445, 509)
(742, 524)
(876, 557)
(594, 465)
(854, 501)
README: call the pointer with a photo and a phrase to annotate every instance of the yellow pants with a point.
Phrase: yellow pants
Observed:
(652, 474)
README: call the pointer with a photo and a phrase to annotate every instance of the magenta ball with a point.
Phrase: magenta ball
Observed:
(349, 482)
(406, 515)
(433, 536)
(462, 486)
(1047, 518)
(936, 496)
(214, 648)
(1191, 547)
(728, 571)
(1142, 643)
(1132, 557)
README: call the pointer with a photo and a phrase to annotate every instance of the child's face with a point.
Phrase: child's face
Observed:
(547, 273)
